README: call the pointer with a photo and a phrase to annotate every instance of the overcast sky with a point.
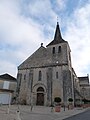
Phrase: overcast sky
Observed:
(25, 24)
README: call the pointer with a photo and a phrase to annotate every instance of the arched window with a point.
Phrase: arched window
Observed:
(59, 49)
(25, 77)
(40, 76)
(53, 50)
(56, 75)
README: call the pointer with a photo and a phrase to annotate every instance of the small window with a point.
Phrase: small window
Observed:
(56, 75)
(24, 77)
(19, 77)
(29, 80)
(69, 57)
(59, 49)
(53, 50)
(40, 76)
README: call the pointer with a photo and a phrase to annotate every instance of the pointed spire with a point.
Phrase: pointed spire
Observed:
(57, 38)
(57, 33)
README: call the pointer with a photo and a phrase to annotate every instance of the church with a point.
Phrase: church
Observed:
(48, 73)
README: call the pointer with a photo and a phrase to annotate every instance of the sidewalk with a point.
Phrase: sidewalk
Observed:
(37, 113)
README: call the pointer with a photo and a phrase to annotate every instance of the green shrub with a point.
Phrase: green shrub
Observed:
(70, 100)
(57, 99)
(86, 101)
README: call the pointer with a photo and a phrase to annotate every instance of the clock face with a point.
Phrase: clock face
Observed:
(56, 61)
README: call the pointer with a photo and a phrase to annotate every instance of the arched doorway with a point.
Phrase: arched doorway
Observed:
(40, 96)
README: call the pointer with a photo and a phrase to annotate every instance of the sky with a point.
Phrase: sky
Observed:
(25, 24)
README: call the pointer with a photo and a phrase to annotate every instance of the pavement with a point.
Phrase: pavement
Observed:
(24, 112)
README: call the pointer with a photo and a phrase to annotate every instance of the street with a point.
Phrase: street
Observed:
(82, 116)
(23, 112)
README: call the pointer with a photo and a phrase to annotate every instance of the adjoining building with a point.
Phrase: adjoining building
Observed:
(84, 87)
(47, 74)
(7, 88)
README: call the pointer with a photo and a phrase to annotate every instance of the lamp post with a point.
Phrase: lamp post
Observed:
(51, 92)
(31, 102)
(9, 100)
(64, 93)
(30, 87)
(31, 92)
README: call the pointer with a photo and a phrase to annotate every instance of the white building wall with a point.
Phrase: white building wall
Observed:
(5, 98)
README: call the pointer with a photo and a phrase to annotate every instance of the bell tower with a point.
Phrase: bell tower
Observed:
(59, 54)
(59, 48)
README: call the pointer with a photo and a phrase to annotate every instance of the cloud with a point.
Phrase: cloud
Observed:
(19, 36)
(8, 67)
(42, 11)
(24, 25)
(16, 27)
(61, 4)
(78, 35)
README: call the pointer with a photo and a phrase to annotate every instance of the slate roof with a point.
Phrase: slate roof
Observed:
(57, 38)
(42, 57)
(85, 78)
(6, 90)
(7, 77)
(37, 59)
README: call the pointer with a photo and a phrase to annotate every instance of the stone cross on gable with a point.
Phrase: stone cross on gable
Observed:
(41, 44)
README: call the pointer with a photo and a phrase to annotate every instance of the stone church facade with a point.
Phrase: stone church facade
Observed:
(47, 74)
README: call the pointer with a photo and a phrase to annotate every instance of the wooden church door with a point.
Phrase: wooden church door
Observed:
(40, 96)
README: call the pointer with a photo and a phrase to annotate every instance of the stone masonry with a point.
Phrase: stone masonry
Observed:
(47, 74)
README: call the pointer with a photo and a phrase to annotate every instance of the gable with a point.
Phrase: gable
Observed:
(7, 77)
(37, 59)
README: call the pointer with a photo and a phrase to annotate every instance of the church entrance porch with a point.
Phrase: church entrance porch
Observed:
(40, 96)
